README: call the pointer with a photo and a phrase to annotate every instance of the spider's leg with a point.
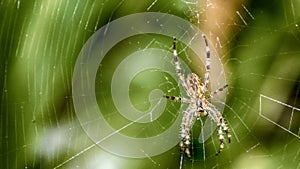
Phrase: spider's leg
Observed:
(178, 69)
(225, 128)
(178, 99)
(186, 124)
(207, 64)
(181, 161)
(184, 146)
(221, 125)
(219, 90)
(221, 138)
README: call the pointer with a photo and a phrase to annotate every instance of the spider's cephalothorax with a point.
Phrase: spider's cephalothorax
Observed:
(198, 104)
(197, 93)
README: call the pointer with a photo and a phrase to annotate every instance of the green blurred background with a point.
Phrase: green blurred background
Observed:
(258, 43)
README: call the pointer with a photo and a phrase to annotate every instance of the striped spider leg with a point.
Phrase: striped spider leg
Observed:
(199, 105)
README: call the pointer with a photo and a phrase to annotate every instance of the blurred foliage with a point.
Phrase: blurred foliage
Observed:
(40, 42)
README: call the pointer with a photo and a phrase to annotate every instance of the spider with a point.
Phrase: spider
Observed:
(199, 105)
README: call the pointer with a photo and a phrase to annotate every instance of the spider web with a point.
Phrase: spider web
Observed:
(257, 42)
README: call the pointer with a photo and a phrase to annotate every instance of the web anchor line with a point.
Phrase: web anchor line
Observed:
(270, 120)
(106, 137)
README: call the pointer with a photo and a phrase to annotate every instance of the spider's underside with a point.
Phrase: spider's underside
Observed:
(199, 104)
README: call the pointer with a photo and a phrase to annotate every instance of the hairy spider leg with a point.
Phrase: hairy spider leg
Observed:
(177, 65)
(221, 138)
(225, 128)
(175, 98)
(219, 120)
(221, 125)
(220, 89)
(185, 140)
(188, 115)
(207, 64)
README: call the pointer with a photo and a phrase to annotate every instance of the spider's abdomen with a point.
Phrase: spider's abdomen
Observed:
(195, 86)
